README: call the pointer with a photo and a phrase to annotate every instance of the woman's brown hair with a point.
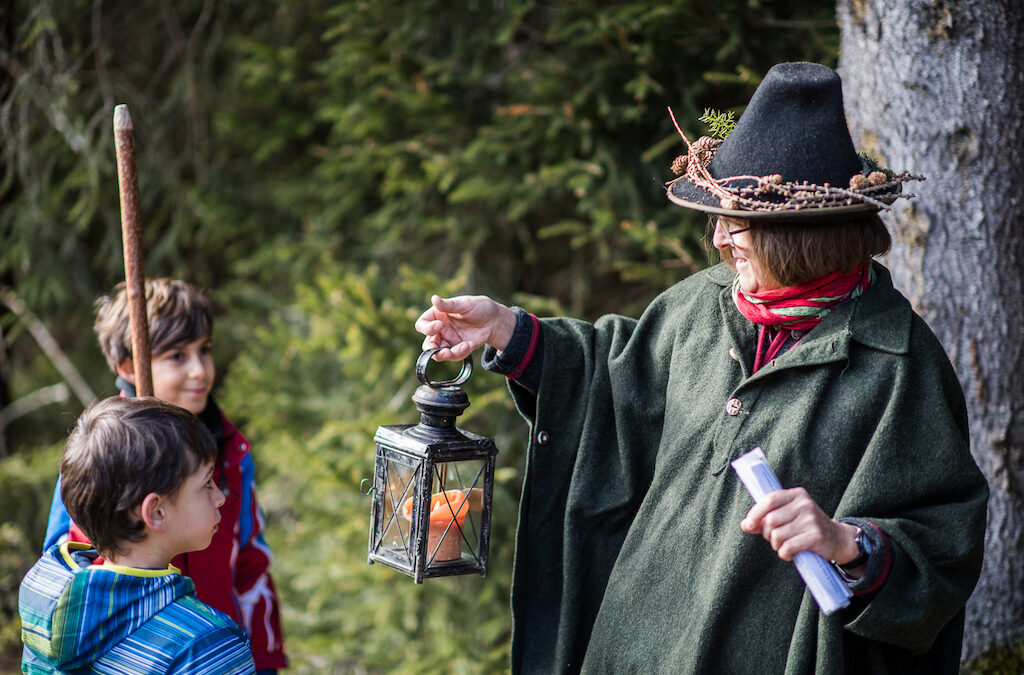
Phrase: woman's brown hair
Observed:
(794, 252)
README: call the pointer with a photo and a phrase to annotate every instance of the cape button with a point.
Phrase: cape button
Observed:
(733, 355)
(733, 406)
(543, 437)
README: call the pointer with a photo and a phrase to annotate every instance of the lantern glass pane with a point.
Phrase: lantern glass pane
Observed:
(455, 508)
(400, 480)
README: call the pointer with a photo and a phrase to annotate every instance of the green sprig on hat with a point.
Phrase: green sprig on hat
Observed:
(720, 124)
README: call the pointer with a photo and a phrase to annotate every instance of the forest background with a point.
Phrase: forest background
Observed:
(321, 167)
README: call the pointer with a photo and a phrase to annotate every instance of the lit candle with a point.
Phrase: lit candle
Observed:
(444, 538)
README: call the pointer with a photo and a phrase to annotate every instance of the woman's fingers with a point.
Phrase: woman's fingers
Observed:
(792, 522)
(439, 327)
(463, 324)
(428, 326)
(445, 354)
(753, 523)
(801, 541)
(458, 307)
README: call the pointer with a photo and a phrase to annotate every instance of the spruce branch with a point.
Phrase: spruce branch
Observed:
(719, 123)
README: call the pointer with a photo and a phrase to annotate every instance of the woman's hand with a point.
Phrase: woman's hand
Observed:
(792, 522)
(464, 323)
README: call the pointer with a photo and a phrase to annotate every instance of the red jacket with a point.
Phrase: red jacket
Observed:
(232, 573)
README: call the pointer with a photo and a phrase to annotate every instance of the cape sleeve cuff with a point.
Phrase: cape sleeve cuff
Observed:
(522, 358)
(876, 570)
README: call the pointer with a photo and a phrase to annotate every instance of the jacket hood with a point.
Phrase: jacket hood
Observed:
(73, 612)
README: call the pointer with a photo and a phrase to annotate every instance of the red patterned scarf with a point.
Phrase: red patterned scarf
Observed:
(802, 307)
(799, 307)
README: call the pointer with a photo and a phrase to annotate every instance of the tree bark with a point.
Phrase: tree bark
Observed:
(937, 87)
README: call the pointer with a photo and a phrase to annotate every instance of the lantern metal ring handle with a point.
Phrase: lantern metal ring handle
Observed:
(424, 360)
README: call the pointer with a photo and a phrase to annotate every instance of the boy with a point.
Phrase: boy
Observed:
(138, 478)
(231, 574)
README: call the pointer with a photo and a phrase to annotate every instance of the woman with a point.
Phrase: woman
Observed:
(637, 548)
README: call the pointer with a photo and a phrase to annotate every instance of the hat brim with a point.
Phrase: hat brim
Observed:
(686, 194)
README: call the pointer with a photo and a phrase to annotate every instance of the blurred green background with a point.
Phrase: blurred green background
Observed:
(321, 167)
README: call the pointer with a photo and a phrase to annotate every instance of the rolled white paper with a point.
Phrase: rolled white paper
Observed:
(821, 578)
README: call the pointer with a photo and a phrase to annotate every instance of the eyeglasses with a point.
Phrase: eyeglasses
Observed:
(731, 233)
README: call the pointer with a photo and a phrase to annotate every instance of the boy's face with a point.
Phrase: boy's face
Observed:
(194, 513)
(182, 375)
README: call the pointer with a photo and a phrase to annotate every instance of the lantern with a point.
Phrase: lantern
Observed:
(432, 487)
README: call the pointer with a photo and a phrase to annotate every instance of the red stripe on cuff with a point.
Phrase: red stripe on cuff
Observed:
(888, 562)
(534, 338)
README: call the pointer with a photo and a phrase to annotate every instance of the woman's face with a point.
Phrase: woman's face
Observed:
(737, 253)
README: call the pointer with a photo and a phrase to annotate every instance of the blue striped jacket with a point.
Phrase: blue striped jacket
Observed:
(83, 618)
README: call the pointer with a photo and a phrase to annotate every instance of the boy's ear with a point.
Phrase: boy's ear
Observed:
(126, 369)
(153, 513)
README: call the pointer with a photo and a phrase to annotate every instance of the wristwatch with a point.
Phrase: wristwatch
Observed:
(864, 549)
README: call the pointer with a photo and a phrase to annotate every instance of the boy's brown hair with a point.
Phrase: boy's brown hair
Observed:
(177, 312)
(795, 252)
(121, 450)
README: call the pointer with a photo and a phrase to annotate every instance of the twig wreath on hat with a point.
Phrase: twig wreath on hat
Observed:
(789, 156)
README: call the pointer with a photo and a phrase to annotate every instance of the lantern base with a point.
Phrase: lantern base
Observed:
(463, 565)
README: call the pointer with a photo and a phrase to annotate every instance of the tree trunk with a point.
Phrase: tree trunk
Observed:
(937, 87)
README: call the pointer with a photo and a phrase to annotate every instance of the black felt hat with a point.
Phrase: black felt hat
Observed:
(790, 156)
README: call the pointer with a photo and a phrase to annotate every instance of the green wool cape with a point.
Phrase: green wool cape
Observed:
(629, 554)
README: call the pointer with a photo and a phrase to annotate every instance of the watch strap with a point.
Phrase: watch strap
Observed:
(863, 551)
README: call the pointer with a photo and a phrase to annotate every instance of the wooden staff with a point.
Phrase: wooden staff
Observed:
(131, 234)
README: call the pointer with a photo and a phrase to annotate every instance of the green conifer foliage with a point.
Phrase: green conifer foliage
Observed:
(322, 167)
